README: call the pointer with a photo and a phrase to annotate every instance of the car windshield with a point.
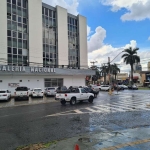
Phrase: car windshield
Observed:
(2, 91)
(51, 88)
(21, 89)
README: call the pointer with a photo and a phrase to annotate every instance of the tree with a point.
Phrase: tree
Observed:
(104, 71)
(130, 57)
(114, 69)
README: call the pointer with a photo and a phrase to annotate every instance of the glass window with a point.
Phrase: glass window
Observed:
(14, 50)
(9, 58)
(19, 19)
(46, 11)
(8, 1)
(9, 41)
(14, 34)
(13, 9)
(8, 32)
(14, 42)
(8, 24)
(19, 43)
(14, 58)
(24, 20)
(14, 25)
(24, 4)
(54, 14)
(25, 36)
(14, 2)
(25, 44)
(20, 27)
(9, 50)
(19, 59)
(50, 13)
(19, 12)
(19, 3)
(20, 51)
(24, 13)
(25, 60)
(25, 28)
(20, 35)
(14, 17)
(43, 10)
(8, 16)
(9, 8)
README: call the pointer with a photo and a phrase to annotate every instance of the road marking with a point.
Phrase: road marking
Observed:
(126, 144)
(102, 108)
(78, 111)
(92, 110)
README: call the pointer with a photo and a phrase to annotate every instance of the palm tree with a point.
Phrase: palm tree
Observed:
(130, 57)
(114, 69)
(104, 71)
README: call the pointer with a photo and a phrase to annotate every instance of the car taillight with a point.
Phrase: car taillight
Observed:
(65, 94)
(5, 95)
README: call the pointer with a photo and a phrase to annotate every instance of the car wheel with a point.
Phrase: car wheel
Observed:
(63, 102)
(73, 101)
(91, 99)
(27, 98)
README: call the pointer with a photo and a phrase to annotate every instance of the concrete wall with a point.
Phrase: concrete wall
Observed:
(35, 31)
(83, 41)
(62, 28)
(3, 32)
(38, 81)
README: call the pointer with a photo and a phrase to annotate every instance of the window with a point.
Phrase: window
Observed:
(8, 32)
(19, 43)
(83, 91)
(20, 51)
(46, 11)
(14, 17)
(53, 82)
(9, 8)
(19, 35)
(9, 41)
(14, 2)
(43, 10)
(24, 4)
(25, 20)
(8, 1)
(14, 42)
(19, 3)
(14, 34)
(13, 9)
(20, 80)
(19, 19)
(9, 50)
(14, 51)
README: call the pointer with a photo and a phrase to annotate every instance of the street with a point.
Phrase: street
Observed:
(37, 120)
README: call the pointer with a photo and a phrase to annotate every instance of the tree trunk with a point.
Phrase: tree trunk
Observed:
(131, 74)
(104, 78)
(115, 76)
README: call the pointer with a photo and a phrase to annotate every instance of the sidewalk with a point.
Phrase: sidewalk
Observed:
(130, 139)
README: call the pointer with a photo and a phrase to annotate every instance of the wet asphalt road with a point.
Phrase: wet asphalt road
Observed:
(48, 121)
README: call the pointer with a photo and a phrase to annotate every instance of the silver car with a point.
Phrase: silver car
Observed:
(50, 91)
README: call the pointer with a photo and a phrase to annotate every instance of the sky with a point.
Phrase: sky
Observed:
(112, 26)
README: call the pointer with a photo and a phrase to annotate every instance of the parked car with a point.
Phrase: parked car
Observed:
(133, 87)
(78, 94)
(94, 87)
(90, 90)
(104, 88)
(5, 94)
(62, 89)
(37, 92)
(50, 91)
(124, 86)
(21, 92)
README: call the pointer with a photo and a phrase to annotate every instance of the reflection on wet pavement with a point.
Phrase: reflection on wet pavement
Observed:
(12, 102)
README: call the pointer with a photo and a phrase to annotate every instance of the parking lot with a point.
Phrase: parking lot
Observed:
(31, 101)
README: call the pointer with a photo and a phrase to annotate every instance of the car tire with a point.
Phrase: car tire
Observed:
(27, 98)
(91, 99)
(63, 102)
(73, 101)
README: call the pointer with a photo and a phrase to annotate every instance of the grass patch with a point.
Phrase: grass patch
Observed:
(38, 146)
(143, 88)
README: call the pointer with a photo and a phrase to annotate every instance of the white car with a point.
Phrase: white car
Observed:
(104, 88)
(50, 91)
(5, 94)
(37, 92)
(124, 86)
(94, 88)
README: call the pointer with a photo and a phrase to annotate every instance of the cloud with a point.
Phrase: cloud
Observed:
(149, 38)
(136, 9)
(70, 5)
(96, 40)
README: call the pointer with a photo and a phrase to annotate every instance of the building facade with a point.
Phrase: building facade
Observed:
(36, 35)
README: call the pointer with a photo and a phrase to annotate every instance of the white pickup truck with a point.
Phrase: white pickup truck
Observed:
(77, 94)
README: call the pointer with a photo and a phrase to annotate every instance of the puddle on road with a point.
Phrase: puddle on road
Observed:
(12, 102)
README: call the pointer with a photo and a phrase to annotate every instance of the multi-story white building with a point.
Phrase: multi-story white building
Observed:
(41, 45)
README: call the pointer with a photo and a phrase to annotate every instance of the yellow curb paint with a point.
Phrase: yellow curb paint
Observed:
(126, 144)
